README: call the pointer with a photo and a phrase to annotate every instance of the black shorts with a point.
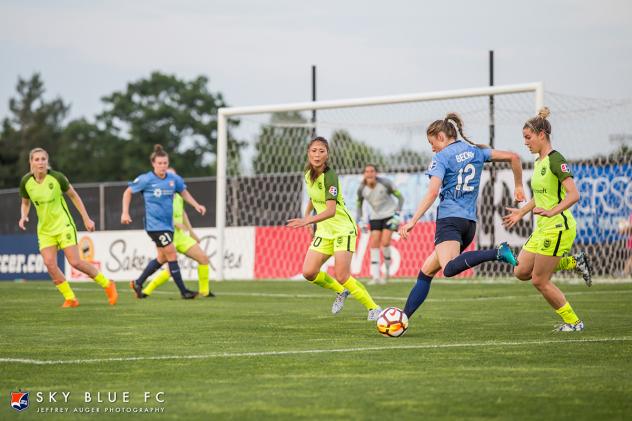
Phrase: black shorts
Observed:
(161, 238)
(379, 224)
(455, 229)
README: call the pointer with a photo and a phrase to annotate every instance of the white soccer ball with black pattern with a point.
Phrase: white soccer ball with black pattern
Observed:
(392, 322)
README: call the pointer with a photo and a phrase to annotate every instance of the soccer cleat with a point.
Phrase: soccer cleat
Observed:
(207, 295)
(339, 302)
(374, 313)
(584, 267)
(111, 293)
(189, 295)
(138, 290)
(568, 327)
(71, 303)
(504, 254)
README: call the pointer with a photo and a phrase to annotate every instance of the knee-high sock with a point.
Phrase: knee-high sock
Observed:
(160, 279)
(203, 287)
(359, 293)
(101, 280)
(468, 260)
(566, 263)
(174, 268)
(567, 314)
(386, 252)
(66, 291)
(324, 280)
(375, 263)
(418, 294)
(151, 267)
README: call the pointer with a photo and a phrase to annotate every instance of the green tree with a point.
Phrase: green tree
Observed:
(281, 145)
(180, 115)
(407, 160)
(34, 122)
(350, 155)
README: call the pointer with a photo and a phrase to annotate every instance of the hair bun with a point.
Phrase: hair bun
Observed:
(158, 148)
(544, 112)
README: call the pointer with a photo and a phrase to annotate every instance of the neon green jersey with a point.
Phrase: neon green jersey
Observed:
(327, 187)
(53, 215)
(178, 209)
(548, 191)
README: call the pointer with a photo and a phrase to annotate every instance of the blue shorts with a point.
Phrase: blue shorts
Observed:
(455, 229)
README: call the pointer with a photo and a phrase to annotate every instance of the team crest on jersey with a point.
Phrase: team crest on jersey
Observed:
(564, 168)
(50, 186)
(333, 191)
(171, 184)
(320, 185)
(547, 243)
(19, 400)
(543, 171)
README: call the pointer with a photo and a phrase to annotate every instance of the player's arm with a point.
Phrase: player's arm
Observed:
(127, 199)
(329, 212)
(189, 227)
(516, 214)
(359, 203)
(516, 168)
(431, 195)
(76, 200)
(25, 207)
(572, 197)
(191, 201)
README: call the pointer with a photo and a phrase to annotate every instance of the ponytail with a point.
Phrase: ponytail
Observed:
(158, 151)
(450, 126)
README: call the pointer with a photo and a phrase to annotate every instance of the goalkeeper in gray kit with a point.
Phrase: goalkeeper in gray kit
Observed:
(386, 204)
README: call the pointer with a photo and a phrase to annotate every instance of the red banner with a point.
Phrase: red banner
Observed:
(279, 252)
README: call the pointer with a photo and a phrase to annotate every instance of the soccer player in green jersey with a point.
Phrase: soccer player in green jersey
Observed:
(56, 229)
(188, 243)
(335, 233)
(546, 250)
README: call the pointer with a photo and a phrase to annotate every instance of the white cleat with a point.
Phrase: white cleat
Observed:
(374, 313)
(339, 302)
(584, 267)
(568, 327)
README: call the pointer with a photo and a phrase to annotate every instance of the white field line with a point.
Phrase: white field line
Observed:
(311, 351)
(382, 297)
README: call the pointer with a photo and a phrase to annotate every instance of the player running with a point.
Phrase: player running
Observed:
(188, 243)
(159, 187)
(55, 227)
(455, 175)
(379, 192)
(335, 231)
(554, 192)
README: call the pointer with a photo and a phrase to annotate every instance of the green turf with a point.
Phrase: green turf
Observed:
(474, 351)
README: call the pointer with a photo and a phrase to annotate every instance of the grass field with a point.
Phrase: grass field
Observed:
(272, 350)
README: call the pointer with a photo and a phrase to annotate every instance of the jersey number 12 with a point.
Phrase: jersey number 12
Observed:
(470, 171)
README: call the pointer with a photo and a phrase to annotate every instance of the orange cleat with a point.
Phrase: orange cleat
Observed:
(110, 291)
(71, 303)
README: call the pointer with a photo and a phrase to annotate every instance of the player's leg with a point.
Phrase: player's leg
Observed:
(49, 255)
(72, 255)
(385, 242)
(153, 265)
(526, 260)
(374, 246)
(319, 251)
(170, 254)
(579, 262)
(196, 253)
(420, 290)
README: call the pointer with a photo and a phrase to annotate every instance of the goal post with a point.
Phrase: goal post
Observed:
(224, 114)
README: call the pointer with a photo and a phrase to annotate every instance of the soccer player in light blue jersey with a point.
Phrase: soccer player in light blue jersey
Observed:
(455, 175)
(158, 188)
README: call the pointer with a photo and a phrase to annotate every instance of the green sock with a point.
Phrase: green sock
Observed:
(567, 314)
(160, 279)
(101, 280)
(566, 263)
(326, 281)
(203, 287)
(360, 293)
(66, 291)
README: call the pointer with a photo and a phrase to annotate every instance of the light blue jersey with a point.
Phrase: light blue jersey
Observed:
(459, 166)
(158, 194)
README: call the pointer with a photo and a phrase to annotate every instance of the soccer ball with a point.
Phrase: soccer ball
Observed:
(392, 322)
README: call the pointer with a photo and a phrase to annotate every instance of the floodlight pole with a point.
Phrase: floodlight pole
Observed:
(313, 100)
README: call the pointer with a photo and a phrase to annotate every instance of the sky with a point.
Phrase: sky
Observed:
(261, 52)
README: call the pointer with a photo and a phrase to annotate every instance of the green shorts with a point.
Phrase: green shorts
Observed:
(329, 246)
(551, 243)
(183, 241)
(66, 238)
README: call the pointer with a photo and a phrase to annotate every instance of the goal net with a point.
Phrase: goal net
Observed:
(262, 185)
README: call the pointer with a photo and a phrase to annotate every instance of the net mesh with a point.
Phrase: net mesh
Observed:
(266, 188)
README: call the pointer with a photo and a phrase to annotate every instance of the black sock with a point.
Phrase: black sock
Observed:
(174, 268)
(151, 267)
(468, 260)
(418, 294)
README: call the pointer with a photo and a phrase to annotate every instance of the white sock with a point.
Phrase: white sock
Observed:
(375, 263)
(386, 252)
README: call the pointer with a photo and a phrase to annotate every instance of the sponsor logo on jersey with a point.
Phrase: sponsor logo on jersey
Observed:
(565, 168)
(333, 191)
(157, 192)
(19, 400)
